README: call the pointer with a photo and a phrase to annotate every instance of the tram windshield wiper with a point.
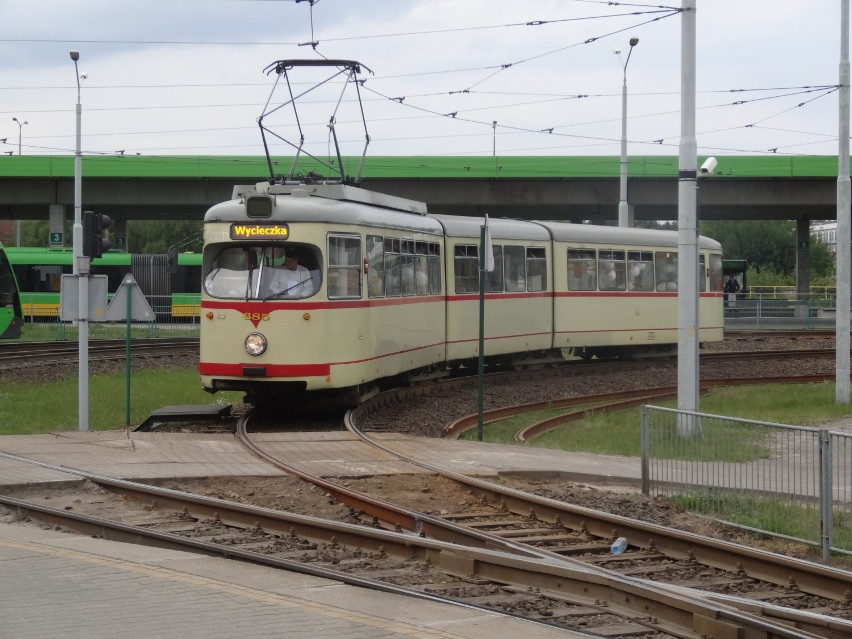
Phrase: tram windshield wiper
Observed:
(278, 294)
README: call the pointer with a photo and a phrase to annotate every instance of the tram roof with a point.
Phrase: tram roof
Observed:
(500, 228)
(612, 235)
(332, 203)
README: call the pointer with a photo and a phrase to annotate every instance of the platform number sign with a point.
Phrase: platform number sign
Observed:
(56, 238)
(119, 242)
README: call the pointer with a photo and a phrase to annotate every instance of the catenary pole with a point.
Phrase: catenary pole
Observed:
(687, 296)
(844, 229)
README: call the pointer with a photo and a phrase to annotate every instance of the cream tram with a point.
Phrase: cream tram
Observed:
(328, 287)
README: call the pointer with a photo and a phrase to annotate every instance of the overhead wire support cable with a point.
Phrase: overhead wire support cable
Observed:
(668, 14)
(314, 43)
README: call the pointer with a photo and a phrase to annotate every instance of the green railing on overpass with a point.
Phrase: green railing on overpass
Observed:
(518, 167)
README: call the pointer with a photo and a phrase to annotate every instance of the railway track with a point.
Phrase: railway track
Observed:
(547, 590)
(14, 354)
(630, 594)
(653, 552)
(19, 355)
(545, 532)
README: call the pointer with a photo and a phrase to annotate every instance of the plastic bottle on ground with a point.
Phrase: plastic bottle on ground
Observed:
(618, 546)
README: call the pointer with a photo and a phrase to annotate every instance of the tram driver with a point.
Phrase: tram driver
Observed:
(291, 279)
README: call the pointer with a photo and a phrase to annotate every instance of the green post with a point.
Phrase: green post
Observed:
(127, 359)
(481, 375)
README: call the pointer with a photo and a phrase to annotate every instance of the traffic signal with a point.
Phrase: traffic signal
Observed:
(94, 224)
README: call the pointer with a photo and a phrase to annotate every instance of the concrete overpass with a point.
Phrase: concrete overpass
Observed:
(541, 187)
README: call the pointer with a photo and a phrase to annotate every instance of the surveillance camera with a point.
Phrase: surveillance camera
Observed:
(708, 167)
(75, 55)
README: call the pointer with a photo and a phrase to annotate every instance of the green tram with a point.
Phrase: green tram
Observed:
(170, 283)
(11, 317)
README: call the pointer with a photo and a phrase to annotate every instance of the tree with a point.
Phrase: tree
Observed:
(35, 233)
(823, 261)
(158, 236)
(765, 244)
(146, 236)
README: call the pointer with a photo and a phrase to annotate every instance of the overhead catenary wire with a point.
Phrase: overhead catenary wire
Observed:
(434, 114)
(542, 125)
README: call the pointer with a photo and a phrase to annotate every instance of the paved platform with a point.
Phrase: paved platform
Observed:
(331, 454)
(55, 584)
(61, 585)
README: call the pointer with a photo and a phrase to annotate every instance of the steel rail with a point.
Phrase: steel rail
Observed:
(760, 564)
(393, 515)
(679, 614)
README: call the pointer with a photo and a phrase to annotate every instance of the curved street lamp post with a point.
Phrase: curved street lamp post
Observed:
(20, 131)
(623, 209)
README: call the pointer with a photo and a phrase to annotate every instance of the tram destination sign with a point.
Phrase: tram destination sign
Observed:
(260, 231)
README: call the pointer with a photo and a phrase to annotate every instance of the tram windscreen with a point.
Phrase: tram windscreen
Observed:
(263, 272)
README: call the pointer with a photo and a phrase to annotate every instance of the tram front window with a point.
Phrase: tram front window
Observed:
(263, 272)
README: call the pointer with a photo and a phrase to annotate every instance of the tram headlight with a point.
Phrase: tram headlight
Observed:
(255, 344)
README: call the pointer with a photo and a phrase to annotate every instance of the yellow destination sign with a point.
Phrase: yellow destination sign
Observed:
(259, 231)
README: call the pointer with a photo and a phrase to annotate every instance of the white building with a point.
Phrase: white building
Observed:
(826, 232)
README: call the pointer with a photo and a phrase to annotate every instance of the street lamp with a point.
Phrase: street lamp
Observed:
(81, 270)
(623, 211)
(20, 126)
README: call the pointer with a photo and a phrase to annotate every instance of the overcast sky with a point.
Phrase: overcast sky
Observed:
(186, 77)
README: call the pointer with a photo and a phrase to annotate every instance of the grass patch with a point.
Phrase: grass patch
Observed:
(27, 408)
(66, 331)
(788, 518)
(504, 430)
(617, 432)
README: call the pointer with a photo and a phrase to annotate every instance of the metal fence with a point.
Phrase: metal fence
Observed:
(787, 481)
(766, 313)
(173, 317)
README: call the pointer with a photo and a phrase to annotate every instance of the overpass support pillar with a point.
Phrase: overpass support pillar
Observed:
(120, 235)
(56, 227)
(803, 259)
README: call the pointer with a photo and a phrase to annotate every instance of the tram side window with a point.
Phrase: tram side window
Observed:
(186, 277)
(582, 270)
(393, 285)
(466, 266)
(494, 279)
(666, 271)
(640, 271)
(716, 273)
(375, 266)
(344, 266)
(421, 270)
(434, 268)
(702, 274)
(536, 269)
(514, 265)
(407, 266)
(39, 278)
(7, 282)
(611, 270)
